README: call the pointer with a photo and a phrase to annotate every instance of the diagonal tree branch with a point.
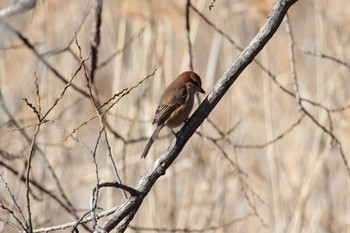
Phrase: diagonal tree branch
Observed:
(125, 213)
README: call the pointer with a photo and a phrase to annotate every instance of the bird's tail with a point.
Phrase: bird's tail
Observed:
(151, 140)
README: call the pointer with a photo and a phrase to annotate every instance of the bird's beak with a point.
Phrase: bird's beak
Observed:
(199, 89)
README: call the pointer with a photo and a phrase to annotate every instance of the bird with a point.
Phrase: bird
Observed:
(175, 104)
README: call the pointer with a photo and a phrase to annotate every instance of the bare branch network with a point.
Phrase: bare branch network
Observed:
(267, 155)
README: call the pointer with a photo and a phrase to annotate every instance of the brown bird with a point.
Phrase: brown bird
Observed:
(175, 104)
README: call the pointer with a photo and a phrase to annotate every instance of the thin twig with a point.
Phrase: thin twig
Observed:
(8, 223)
(72, 224)
(250, 203)
(292, 63)
(274, 140)
(29, 166)
(82, 62)
(16, 205)
(325, 56)
(211, 6)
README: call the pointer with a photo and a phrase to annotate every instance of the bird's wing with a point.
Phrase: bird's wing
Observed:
(168, 103)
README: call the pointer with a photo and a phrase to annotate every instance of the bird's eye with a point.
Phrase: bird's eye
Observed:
(194, 82)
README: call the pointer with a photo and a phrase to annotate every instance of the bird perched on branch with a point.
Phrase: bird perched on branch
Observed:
(175, 104)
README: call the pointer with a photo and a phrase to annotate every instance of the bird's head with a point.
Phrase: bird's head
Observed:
(193, 81)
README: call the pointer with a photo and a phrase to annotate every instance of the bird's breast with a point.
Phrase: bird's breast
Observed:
(179, 115)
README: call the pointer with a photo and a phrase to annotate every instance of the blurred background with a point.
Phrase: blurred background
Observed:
(258, 164)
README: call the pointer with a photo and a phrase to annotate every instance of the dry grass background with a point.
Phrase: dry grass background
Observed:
(296, 184)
